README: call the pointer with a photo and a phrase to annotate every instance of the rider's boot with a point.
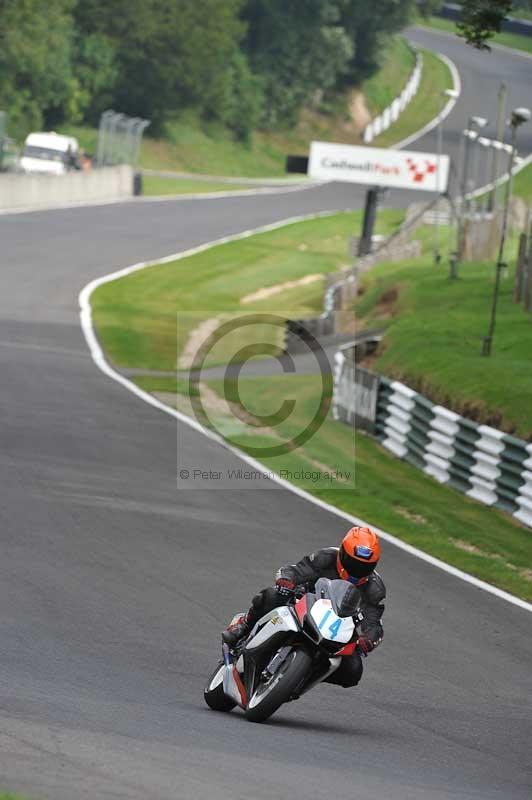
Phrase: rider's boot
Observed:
(239, 628)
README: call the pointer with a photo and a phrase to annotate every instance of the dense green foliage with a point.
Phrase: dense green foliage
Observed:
(481, 19)
(515, 41)
(36, 59)
(244, 63)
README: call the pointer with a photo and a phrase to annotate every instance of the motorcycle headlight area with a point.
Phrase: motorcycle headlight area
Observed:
(337, 630)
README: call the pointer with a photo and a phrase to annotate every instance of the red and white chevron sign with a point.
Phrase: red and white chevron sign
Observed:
(397, 169)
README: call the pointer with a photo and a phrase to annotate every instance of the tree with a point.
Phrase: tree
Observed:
(481, 19)
(168, 55)
(244, 98)
(239, 61)
(36, 78)
(95, 75)
(370, 26)
(296, 48)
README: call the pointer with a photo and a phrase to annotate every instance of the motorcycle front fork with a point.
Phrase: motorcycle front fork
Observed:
(271, 668)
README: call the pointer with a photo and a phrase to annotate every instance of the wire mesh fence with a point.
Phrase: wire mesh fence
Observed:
(119, 139)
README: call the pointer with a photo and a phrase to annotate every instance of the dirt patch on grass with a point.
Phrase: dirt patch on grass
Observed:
(270, 291)
(325, 468)
(358, 110)
(386, 307)
(219, 405)
(468, 547)
(411, 516)
(195, 340)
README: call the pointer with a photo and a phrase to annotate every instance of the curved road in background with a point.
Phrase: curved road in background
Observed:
(481, 75)
(114, 586)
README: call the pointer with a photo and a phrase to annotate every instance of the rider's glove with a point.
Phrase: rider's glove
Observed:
(285, 587)
(365, 645)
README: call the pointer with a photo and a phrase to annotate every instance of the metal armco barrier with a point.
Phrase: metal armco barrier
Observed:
(481, 462)
(356, 392)
(299, 333)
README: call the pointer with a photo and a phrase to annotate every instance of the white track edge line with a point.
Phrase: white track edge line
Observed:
(101, 362)
(457, 86)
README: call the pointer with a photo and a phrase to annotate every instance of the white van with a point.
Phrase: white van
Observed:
(49, 152)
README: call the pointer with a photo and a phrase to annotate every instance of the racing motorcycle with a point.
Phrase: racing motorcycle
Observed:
(288, 651)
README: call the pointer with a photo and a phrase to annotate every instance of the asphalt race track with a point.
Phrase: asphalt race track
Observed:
(114, 585)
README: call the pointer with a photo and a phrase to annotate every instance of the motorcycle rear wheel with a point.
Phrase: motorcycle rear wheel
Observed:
(214, 694)
(269, 696)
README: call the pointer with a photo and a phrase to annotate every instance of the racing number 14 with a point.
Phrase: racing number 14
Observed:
(334, 627)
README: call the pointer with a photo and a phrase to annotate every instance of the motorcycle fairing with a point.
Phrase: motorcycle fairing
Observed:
(232, 682)
(331, 626)
(280, 620)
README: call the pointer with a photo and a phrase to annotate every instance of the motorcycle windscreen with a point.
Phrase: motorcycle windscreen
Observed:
(344, 596)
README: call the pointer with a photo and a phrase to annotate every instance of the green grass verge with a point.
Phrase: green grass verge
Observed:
(513, 40)
(426, 104)
(433, 338)
(153, 185)
(138, 317)
(383, 88)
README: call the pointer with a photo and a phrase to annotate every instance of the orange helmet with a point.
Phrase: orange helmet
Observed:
(358, 554)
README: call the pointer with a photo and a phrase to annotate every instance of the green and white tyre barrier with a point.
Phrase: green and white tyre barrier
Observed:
(486, 464)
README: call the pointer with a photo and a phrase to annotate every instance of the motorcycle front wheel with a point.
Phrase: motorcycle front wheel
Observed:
(279, 688)
(214, 694)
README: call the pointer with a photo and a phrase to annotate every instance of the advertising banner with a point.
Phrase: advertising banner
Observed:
(396, 169)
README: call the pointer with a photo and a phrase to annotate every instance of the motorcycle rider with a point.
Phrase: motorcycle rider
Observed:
(354, 561)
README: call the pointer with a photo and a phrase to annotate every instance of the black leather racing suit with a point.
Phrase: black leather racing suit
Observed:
(322, 564)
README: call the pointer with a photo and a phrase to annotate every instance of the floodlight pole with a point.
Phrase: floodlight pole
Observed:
(499, 135)
(446, 96)
(470, 134)
(519, 116)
